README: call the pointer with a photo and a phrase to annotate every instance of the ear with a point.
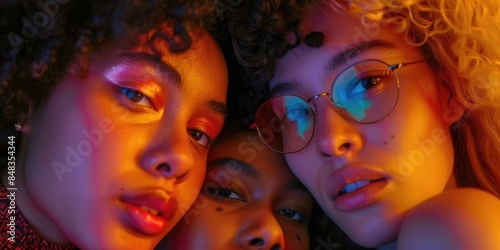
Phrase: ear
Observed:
(454, 111)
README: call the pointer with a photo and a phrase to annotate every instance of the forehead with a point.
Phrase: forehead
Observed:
(247, 147)
(203, 66)
(342, 32)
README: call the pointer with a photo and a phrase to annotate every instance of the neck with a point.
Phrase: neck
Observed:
(37, 219)
(452, 182)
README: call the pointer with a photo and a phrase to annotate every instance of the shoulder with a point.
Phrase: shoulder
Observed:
(463, 218)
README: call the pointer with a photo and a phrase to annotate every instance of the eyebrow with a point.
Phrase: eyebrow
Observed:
(161, 67)
(344, 56)
(218, 107)
(237, 165)
(250, 171)
(337, 60)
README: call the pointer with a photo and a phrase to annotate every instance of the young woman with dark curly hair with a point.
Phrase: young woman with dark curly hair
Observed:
(250, 200)
(108, 112)
(389, 113)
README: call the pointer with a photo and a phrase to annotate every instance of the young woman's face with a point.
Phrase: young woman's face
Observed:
(249, 200)
(113, 158)
(390, 165)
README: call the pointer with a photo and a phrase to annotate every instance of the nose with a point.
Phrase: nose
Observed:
(167, 155)
(335, 136)
(262, 232)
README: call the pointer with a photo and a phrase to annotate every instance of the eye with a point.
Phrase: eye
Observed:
(367, 83)
(296, 112)
(292, 214)
(200, 137)
(224, 194)
(136, 97)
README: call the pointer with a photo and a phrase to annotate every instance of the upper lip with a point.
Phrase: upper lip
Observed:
(155, 198)
(346, 175)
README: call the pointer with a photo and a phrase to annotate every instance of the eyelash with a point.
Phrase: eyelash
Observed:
(215, 192)
(196, 133)
(374, 77)
(129, 94)
(301, 217)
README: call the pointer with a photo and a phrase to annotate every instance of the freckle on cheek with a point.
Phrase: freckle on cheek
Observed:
(392, 136)
(219, 209)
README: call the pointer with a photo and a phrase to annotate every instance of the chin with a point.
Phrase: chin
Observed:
(373, 241)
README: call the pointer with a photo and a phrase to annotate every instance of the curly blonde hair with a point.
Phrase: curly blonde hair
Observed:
(459, 40)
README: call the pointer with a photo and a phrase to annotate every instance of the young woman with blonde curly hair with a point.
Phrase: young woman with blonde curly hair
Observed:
(389, 113)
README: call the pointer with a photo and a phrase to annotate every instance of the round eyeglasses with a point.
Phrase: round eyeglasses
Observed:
(365, 92)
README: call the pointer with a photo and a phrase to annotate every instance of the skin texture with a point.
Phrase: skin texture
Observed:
(414, 157)
(240, 209)
(463, 218)
(81, 199)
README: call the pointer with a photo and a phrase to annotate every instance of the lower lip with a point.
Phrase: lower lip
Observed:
(145, 222)
(360, 198)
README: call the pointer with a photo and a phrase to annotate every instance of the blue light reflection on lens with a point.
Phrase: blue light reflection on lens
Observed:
(298, 111)
(356, 107)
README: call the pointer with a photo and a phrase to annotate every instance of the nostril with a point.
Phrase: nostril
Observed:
(164, 168)
(257, 242)
(344, 147)
(276, 247)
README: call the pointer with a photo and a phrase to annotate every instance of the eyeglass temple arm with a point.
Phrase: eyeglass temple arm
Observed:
(400, 65)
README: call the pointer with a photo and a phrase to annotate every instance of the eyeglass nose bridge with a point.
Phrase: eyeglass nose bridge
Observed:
(318, 96)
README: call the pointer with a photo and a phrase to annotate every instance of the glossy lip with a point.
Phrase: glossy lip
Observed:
(361, 197)
(144, 221)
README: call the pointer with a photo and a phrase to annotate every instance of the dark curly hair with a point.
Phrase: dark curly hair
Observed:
(41, 39)
(324, 234)
(260, 32)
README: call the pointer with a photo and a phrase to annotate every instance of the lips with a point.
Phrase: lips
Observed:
(149, 211)
(352, 188)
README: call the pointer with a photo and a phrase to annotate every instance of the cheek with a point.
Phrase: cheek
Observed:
(200, 228)
(300, 163)
(190, 221)
(297, 163)
(297, 238)
(55, 141)
(309, 169)
(424, 139)
(187, 192)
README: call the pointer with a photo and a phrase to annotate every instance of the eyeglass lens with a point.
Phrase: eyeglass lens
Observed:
(365, 92)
